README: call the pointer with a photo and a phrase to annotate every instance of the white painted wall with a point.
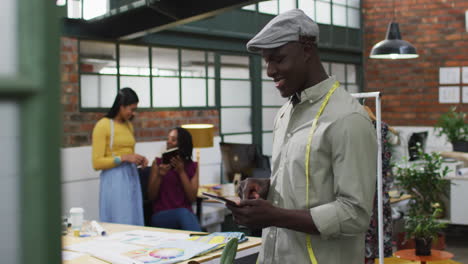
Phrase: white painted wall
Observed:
(80, 182)
(433, 142)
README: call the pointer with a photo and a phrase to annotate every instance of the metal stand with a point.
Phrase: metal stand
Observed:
(378, 126)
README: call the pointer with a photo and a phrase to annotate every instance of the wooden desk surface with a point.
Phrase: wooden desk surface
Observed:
(69, 239)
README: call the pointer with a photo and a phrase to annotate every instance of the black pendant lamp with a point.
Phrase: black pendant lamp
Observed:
(393, 47)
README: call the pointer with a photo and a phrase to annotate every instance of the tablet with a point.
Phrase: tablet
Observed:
(220, 199)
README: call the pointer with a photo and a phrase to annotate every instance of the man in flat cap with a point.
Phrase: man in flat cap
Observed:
(316, 206)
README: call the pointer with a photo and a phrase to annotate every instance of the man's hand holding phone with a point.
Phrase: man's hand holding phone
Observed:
(252, 188)
(221, 199)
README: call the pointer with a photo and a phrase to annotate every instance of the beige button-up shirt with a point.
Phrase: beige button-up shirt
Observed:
(343, 166)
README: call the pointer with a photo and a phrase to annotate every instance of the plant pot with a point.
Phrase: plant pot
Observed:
(423, 246)
(403, 243)
(461, 146)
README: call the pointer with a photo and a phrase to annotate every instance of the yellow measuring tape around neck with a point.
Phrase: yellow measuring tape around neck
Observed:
(313, 260)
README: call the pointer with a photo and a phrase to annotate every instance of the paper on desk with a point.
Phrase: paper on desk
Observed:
(219, 238)
(103, 255)
(109, 251)
(140, 246)
(170, 252)
(96, 246)
(68, 255)
(114, 258)
(143, 237)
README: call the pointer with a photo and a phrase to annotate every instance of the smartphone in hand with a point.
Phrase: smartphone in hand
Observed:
(221, 199)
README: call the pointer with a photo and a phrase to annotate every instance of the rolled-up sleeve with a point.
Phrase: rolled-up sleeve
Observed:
(354, 165)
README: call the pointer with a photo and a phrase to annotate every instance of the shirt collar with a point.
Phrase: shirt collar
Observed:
(313, 93)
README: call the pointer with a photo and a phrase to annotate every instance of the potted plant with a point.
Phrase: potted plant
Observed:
(423, 229)
(453, 125)
(425, 181)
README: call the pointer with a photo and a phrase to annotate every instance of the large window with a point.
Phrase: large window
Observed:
(86, 9)
(162, 77)
(98, 78)
(271, 102)
(236, 99)
(175, 78)
(134, 72)
(345, 74)
(345, 13)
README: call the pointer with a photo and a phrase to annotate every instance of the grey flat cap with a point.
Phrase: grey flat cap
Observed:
(284, 28)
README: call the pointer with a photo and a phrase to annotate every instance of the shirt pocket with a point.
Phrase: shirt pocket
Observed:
(294, 184)
(295, 156)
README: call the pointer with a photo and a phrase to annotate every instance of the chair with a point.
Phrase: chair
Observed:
(144, 174)
(244, 159)
(263, 169)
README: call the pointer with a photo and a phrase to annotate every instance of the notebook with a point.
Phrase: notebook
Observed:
(169, 154)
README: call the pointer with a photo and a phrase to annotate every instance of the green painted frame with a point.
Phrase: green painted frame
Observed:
(36, 90)
(118, 75)
(220, 35)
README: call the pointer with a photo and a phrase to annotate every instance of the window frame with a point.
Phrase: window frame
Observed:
(150, 77)
(255, 76)
(332, 3)
(218, 56)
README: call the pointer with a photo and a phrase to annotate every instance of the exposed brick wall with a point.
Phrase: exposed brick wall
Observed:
(149, 126)
(410, 87)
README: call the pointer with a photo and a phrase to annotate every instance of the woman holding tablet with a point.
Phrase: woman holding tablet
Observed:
(173, 186)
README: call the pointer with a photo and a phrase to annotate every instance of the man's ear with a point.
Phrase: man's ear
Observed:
(309, 52)
(309, 47)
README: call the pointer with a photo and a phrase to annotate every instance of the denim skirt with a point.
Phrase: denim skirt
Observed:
(120, 199)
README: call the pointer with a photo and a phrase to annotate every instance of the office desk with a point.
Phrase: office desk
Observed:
(251, 246)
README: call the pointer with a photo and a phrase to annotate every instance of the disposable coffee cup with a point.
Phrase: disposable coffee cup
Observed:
(76, 219)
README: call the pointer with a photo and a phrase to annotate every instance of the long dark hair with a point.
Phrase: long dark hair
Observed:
(125, 96)
(185, 144)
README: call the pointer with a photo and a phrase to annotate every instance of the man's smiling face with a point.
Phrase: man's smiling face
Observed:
(287, 66)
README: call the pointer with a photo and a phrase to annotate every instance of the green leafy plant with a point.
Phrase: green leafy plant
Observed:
(424, 180)
(453, 125)
(425, 227)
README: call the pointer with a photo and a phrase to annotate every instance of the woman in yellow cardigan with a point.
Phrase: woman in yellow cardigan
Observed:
(120, 199)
